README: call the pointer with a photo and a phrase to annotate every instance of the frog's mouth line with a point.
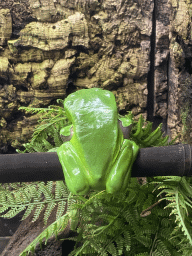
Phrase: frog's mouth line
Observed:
(126, 131)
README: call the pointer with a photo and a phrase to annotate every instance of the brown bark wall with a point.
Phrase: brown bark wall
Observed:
(140, 50)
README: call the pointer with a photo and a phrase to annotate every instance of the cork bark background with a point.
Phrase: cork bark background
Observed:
(141, 50)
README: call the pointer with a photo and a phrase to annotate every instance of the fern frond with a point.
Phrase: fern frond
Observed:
(56, 137)
(36, 196)
(46, 145)
(13, 211)
(46, 128)
(33, 110)
(48, 211)
(180, 216)
(60, 209)
(162, 248)
(61, 190)
(42, 188)
(178, 193)
(38, 210)
(28, 211)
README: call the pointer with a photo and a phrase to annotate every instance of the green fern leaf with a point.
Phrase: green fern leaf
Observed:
(47, 145)
(60, 209)
(146, 241)
(127, 237)
(46, 192)
(120, 244)
(38, 210)
(13, 211)
(37, 147)
(181, 219)
(161, 247)
(3, 209)
(56, 137)
(28, 211)
(36, 195)
(61, 190)
(157, 253)
(49, 185)
(10, 198)
(48, 211)
(112, 249)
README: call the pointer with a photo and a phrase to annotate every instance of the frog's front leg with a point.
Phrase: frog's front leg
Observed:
(73, 169)
(120, 173)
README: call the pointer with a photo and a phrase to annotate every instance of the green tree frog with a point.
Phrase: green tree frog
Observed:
(97, 157)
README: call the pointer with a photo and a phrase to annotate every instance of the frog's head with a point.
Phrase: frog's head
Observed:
(87, 106)
(94, 108)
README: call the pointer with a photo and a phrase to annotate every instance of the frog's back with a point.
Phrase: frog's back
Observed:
(93, 113)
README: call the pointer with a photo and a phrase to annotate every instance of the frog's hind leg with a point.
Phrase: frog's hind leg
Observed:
(135, 150)
(121, 171)
(73, 169)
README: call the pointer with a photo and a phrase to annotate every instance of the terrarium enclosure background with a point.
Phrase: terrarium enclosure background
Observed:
(138, 49)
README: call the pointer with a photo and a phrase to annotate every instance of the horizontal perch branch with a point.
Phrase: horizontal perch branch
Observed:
(174, 160)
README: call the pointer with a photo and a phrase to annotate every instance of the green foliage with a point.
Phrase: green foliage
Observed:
(152, 218)
(145, 137)
(112, 224)
(178, 193)
(34, 196)
(46, 135)
(115, 225)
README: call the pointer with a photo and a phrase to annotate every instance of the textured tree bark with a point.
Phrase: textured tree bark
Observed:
(81, 43)
(28, 231)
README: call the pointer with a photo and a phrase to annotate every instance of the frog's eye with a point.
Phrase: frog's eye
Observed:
(66, 133)
(125, 130)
